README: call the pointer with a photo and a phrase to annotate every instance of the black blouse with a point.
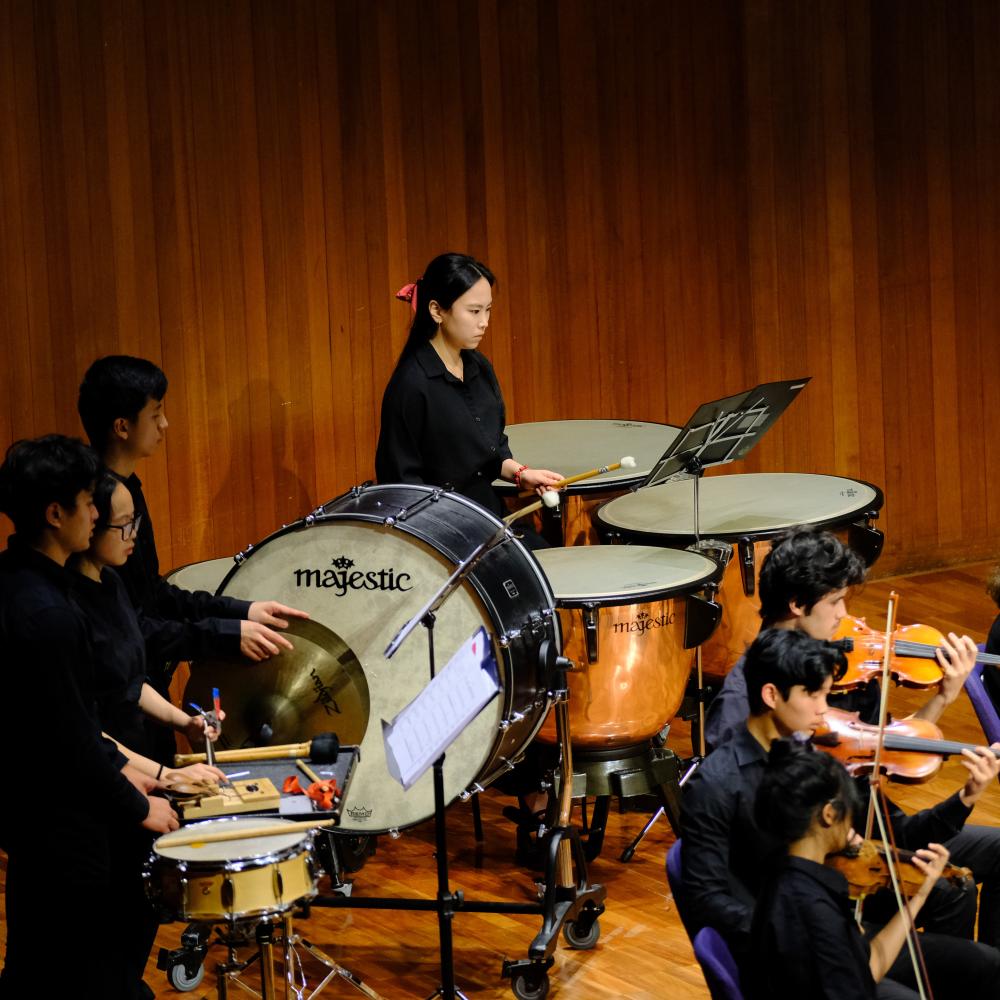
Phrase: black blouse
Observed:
(805, 940)
(443, 431)
(119, 657)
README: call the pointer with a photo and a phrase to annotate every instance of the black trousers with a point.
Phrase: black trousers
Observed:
(76, 912)
(958, 969)
(978, 848)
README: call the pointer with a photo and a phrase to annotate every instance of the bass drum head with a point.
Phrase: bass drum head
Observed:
(361, 579)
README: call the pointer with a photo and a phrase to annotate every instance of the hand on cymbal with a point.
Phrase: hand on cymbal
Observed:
(274, 614)
(258, 642)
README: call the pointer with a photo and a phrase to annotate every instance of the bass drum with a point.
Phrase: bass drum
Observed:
(362, 566)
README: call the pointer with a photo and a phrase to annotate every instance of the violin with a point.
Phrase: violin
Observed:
(912, 660)
(866, 868)
(912, 750)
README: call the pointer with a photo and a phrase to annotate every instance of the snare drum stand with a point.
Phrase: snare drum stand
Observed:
(295, 984)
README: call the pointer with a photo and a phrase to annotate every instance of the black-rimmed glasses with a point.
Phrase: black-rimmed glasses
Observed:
(129, 529)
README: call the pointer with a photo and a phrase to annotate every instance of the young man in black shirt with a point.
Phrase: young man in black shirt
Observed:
(121, 407)
(60, 834)
(725, 854)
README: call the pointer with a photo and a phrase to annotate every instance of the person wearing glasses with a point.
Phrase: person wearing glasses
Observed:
(122, 693)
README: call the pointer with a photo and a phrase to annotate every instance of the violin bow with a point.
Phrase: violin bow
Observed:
(875, 778)
(877, 810)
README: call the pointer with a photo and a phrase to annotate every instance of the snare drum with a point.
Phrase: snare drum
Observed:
(231, 879)
(625, 617)
(362, 566)
(748, 511)
(574, 446)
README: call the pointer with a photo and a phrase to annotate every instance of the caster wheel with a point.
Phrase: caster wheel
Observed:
(581, 941)
(180, 980)
(530, 985)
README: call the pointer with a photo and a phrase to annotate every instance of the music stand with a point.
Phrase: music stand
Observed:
(717, 433)
(721, 432)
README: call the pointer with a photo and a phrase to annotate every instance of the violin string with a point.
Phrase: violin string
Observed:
(879, 804)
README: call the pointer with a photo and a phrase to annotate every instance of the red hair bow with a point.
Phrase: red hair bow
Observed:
(408, 293)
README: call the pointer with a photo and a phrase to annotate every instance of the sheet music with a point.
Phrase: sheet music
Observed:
(426, 727)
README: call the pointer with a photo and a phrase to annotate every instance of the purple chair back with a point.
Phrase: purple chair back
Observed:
(983, 705)
(710, 949)
(717, 964)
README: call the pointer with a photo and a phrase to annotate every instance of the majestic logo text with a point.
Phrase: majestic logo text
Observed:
(342, 577)
(644, 621)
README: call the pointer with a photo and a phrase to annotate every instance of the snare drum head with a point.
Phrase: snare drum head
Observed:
(574, 446)
(753, 505)
(606, 575)
(244, 849)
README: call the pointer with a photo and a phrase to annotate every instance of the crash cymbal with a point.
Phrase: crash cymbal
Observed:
(317, 687)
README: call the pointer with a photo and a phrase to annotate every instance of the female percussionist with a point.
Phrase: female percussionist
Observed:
(443, 413)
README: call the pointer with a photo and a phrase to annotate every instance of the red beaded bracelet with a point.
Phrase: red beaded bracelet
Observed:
(517, 475)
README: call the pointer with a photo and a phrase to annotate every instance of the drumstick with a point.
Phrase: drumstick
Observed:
(626, 462)
(247, 753)
(185, 838)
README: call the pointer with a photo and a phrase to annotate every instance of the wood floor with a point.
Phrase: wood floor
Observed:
(643, 951)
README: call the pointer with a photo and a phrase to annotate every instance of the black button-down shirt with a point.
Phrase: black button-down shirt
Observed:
(443, 431)
(805, 940)
(723, 852)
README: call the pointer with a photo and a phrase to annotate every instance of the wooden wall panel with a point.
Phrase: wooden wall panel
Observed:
(680, 199)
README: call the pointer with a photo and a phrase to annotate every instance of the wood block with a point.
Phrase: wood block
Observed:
(249, 795)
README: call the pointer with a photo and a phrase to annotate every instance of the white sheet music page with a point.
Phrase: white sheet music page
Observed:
(423, 730)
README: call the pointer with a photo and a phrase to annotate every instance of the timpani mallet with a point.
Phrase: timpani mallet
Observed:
(550, 498)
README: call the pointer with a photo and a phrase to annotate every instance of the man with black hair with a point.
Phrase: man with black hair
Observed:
(121, 407)
(804, 582)
(724, 853)
(52, 730)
